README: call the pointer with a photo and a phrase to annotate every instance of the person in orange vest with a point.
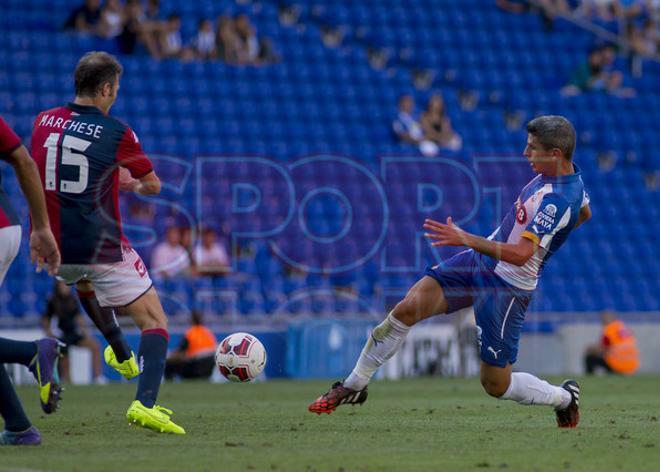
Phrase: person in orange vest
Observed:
(195, 356)
(617, 351)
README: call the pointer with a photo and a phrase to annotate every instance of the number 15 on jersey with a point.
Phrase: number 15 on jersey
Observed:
(71, 155)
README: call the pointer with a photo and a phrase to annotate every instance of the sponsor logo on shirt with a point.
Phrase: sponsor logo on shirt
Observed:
(546, 218)
(550, 210)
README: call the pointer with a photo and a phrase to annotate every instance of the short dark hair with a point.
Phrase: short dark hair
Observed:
(554, 131)
(95, 69)
(197, 317)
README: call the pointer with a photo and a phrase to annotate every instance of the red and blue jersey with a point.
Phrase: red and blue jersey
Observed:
(546, 212)
(9, 142)
(78, 151)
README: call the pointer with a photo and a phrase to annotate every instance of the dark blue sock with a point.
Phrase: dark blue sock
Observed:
(151, 356)
(17, 352)
(10, 406)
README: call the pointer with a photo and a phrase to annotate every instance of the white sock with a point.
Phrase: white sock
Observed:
(383, 343)
(529, 390)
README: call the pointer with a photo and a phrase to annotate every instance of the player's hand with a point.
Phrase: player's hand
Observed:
(126, 182)
(445, 234)
(43, 250)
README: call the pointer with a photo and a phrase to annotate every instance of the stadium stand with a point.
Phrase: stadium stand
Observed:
(322, 100)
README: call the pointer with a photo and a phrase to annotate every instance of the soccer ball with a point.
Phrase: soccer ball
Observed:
(240, 357)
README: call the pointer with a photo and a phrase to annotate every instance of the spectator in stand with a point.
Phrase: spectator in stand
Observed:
(211, 257)
(248, 43)
(137, 30)
(63, 305)
(599, 73)
(195, 356)
(128, 38)
(226, 40)
(186, 233)
(85, 18)
(112, 20)
(437, 125)
(171, 44)
(407, 127)
(152, 23)
(617, 351)
(204, 43)
(645, 39)
(169, 258)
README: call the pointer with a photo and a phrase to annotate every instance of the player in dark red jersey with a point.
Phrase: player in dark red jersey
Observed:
(79, 150)
(41, 356)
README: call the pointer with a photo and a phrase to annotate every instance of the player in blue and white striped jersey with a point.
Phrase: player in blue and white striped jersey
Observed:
(497, 276)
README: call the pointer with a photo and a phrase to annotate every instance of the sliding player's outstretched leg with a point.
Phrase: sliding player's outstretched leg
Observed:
(569, 417)
(150, 318)
(527, 389)
(499, 314)
(424, 299)
(117, 354)
(336, 396)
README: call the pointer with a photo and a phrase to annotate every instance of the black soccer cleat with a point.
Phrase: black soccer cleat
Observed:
(569, 417)
(336, 396)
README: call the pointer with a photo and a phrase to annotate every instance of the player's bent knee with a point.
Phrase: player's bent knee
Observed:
(494, 387)
(406, 311)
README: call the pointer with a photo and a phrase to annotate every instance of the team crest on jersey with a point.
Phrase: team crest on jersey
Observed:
(550, 210)
(521, 214)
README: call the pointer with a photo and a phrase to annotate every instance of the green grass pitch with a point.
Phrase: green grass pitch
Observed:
(425, 424)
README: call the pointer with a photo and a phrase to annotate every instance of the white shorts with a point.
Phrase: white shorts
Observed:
(116, 284)
(10, 243)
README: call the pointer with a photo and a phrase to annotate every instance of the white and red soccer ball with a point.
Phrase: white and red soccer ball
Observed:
(240, 357)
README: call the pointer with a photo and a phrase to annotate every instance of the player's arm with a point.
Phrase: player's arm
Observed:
(149, 184)
(585, 210)
(136, 173)
(552, 215)
(585, 215)
(43, 248)
(451, 235)
(28, 178)
(146, 185)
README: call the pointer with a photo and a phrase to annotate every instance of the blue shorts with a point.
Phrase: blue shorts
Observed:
(499, 308)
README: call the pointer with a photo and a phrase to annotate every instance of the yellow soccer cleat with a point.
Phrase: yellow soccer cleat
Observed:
(129, 368)
(156, 418)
